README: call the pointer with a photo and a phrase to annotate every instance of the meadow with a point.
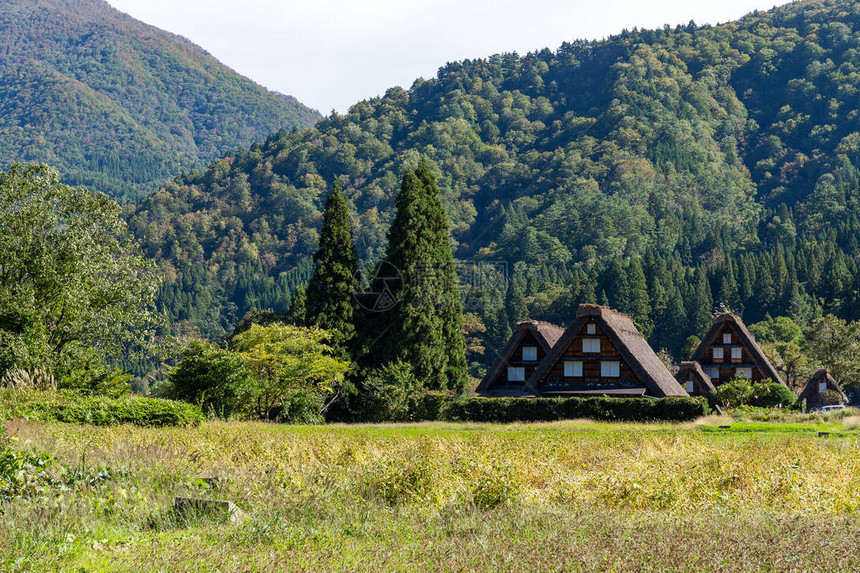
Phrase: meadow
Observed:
(574, 495)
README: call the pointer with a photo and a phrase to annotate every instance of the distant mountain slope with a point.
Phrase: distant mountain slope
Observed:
(119, 105)
(707, 158)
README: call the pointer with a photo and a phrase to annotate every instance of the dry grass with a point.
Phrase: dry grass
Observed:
(556, 496)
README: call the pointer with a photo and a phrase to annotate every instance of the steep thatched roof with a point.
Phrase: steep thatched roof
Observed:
(811, 389)
(546, 334)
(693, 371)
(623, 334)
(761, 361)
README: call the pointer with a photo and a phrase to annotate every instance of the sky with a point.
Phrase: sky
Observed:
(331, 54)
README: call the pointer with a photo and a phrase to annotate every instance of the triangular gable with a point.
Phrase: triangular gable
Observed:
(545, 336)
(812, 392)
(692, 372)
(703, 355)
(649, 372)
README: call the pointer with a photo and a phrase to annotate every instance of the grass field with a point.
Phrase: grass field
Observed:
(562, 496)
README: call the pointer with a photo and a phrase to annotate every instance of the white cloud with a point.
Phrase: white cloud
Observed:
(333, 53)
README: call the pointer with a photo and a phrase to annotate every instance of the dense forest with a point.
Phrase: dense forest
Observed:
(117, 105)
(665, 172)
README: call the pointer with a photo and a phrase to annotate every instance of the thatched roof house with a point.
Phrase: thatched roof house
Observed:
(693, 379)
(818, 386)
(529, 345)
(602, 352)
(730, 351)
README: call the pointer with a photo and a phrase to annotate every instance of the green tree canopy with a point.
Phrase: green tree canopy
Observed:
(73, 284)
(286, 360)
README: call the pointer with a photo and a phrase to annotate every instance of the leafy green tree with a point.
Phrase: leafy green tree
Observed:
(690, 346)
(835, 344)
(331, 303)
(210, 377)
(287, 361)
(74, 287)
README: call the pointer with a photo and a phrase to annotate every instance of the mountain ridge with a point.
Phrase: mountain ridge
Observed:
(145, 103)
(698, 161)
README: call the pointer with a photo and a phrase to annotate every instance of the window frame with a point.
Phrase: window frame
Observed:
(534, 352)
(516, 369)
(587, 344)
(617, 369)
(573, 364)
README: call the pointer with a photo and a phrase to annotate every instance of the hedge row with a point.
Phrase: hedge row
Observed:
(109, 411)
(435, 406)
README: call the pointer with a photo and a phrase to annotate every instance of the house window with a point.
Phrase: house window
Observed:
(727, 338)
(591, 345)
(610, 369)
(516, 374)
(713, 373)
(529, 353)
(718, 353)
(591, 329)
(736, 353)
(690, 387)
(573, 369)
(822, 387)
(743, 372)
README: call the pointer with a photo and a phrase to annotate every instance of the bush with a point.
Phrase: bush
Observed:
(302, 407)
(768, 394)
(109, 411)
(505, 410)
(386, 394)
(734, 393)
(764, 394)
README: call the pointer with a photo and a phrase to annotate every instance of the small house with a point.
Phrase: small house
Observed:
(822, 390)
(603, 353)
(530, 343)
(693, 379)
(730, 351)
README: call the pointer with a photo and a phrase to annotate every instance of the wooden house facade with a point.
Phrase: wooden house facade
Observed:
(822, 390)
(529, 345)
(730, 351)
(602, 353)
(694, 381)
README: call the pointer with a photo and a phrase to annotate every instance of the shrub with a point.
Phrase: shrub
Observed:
(504, 410)
(302, 407)
(765, 394)
(430, 405)
(768, 394)
(109, 411)
(735, 393)
(386, 393)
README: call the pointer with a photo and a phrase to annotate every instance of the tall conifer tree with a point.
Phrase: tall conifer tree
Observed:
(515, 303)
(425, 328)
(331, 302)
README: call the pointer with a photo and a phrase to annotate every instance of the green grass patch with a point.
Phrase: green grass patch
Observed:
(573, 495)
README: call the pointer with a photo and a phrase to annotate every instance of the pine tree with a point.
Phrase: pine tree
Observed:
(425, 328)
(331, 302)
(616, 287)
(638, 301)
(515, 304)
(297, 313)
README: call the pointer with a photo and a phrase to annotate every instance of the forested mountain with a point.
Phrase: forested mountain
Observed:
(118, 105)
(661, 171)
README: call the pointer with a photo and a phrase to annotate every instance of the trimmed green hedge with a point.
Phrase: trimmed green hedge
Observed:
(503, 410)
(110, 411)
